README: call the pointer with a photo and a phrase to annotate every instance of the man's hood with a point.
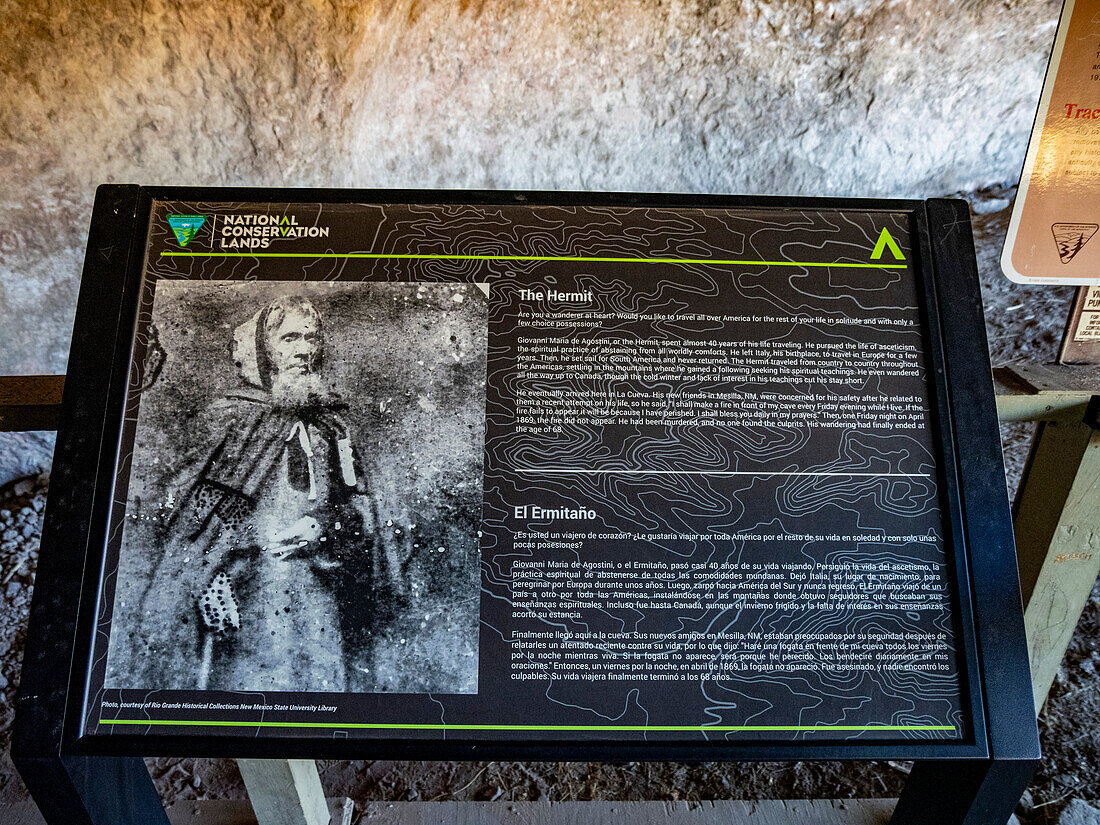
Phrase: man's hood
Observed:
(246, 350)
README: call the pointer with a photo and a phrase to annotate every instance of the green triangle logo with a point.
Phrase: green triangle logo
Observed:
(886, 241)
(185, 227)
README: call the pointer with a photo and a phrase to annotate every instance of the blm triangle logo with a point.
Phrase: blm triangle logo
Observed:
(1071, 238)
(886, 241)
(185, 227)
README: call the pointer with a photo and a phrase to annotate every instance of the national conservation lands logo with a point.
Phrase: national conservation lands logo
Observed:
(1070, 238)
(259, 231)
(886, 241)
(185, 227)
(244, 231)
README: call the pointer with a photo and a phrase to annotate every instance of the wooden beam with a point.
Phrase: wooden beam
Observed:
(1027, 392)
(285, 791)
(1057, 526)
(1046, 407)
(30, 402)
(721, 812)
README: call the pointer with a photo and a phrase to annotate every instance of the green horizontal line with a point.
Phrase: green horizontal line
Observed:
(417, 726)
(580, 258)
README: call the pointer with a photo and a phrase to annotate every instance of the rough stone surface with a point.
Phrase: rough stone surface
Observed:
(1080, 812)
(23, 454)
(882, 97)
(18, 562)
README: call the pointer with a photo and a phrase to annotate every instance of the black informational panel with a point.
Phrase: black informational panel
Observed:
(556, 475)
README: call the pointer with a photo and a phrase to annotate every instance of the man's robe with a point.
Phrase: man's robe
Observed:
(302, 616)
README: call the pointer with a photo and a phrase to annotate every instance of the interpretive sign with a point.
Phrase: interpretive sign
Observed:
(590, 471)
(1057, 209)
(557, 476)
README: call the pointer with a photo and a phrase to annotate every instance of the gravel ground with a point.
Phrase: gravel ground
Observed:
(1023, 324)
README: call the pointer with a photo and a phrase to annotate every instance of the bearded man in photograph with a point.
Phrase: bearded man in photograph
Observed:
(275, 574)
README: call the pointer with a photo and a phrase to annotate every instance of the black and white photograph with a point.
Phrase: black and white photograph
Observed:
(304, 492)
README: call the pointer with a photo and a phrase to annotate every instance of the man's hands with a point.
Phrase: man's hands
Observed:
(301, 533)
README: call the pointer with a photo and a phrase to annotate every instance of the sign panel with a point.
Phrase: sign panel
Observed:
(521, 472)
(1051, 236)
(1081, 342)
(1088, 326)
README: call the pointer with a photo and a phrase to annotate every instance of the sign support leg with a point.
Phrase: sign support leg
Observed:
(963, 792)
(92, 790)
(285, 791)
(1057, 526)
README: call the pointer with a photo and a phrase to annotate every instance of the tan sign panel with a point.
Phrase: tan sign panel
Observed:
(1052, 234)
(1088, 329)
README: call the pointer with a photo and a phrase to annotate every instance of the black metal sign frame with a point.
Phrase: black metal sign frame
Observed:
(49, 744)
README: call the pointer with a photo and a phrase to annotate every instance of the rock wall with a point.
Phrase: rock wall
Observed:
(853, 97)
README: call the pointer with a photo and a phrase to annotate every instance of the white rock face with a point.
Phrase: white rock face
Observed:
(854, 97)
(24, 454)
